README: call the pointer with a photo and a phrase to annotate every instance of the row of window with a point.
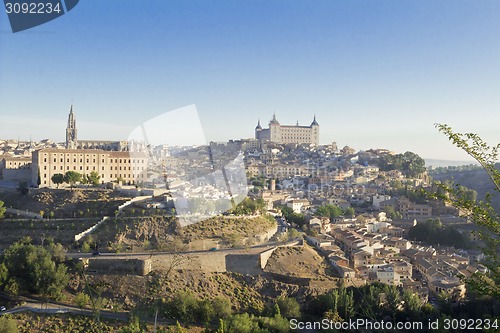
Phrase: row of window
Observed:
(130, 182)
(94, 160)
(94, 168)
(126, 175)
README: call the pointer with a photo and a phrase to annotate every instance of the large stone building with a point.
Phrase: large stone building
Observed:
(112, 160)
(111, 166)
(288, 133)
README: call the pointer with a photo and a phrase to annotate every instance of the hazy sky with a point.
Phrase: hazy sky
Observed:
(375, 73)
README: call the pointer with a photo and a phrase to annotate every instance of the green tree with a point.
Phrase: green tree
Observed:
(250, 206)
(86, 247)
(31, 268)
(349, 211)
(241, 323)
(57, 179)
(392, 213)
(480, 212)
(410, 164)
(345, 302)
(412, 303)
(392, 297)
(4, 274)
(222, 307)
(277, 324)
(134, 325)
(2, 209)
(329, 210)
(56, 250)
(289, 307)
(95, 291)
(205, 311)
(184, 306)
(81, 300)
(293, 233)
(94, 178)
(72, 177)
(8, 325)
(22, 187)
(413, 165)
(291, 217)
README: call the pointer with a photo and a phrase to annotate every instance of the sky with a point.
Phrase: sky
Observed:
(377, 74)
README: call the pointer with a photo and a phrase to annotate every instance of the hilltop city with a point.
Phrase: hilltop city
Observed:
(275, 226)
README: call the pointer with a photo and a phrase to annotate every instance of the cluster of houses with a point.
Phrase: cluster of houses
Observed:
(377, 251)
(15, 158)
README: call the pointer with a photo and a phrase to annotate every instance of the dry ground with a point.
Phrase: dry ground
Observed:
(65, 203)
(302, 262)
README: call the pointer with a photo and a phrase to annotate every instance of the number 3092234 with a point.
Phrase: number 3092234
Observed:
(32, 8)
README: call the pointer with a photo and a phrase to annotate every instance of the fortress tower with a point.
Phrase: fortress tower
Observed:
(288, 133)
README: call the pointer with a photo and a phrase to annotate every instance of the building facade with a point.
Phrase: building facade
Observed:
(288, 133)
(15, 168)
(131, 168)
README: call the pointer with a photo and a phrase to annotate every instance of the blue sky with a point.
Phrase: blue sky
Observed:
(375, 73)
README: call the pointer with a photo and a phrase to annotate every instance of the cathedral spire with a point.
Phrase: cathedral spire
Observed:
(71, 131)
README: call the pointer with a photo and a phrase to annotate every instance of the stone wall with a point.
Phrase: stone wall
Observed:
(23, 213)
(17, 175)
(243, 263)
(136, 266)
(209, 261)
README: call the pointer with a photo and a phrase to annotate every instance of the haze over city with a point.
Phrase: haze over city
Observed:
(375, 74)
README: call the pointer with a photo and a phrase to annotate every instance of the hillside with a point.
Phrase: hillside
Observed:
(65, 203)
(246, 293)
(164, 233)
(477, 180)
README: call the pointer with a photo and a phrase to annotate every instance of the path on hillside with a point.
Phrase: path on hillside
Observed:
(37, 306)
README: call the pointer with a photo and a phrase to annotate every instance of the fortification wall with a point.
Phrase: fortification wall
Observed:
(244, 263)
(17, 175)
(208, 262)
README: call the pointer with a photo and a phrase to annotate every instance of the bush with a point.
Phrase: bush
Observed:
(289, 307)
(8, 325)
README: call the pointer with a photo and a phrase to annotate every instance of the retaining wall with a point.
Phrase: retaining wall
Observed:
(23, 213)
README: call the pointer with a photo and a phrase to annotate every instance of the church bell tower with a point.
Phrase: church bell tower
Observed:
(71, 131)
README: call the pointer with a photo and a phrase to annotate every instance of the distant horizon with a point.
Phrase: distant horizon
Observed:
(428, 161)
(107, 130)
